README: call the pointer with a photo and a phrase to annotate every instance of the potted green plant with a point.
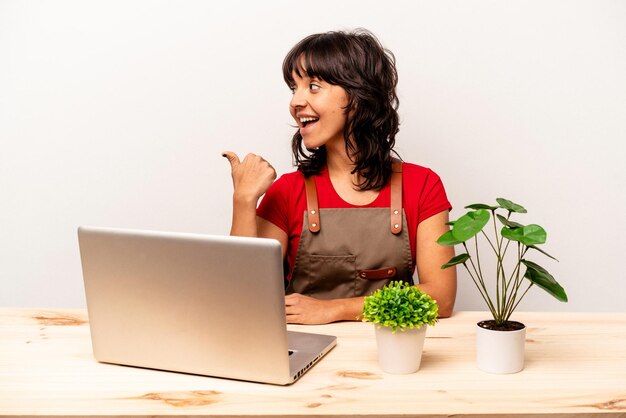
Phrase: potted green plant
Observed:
(400, 313)
(500, 341)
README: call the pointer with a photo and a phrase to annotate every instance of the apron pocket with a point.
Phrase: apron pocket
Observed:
(331, 276)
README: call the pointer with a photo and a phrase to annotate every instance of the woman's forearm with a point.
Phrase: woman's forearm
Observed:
(349, 309)
(244, 217)
(443, 296)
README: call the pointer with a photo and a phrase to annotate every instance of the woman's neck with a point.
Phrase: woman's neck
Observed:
(340, 167)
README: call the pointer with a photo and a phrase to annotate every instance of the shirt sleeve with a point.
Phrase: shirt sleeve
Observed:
(274, 206)
(433, 198)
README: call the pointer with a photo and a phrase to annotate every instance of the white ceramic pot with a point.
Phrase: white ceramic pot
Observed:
(400, 352)
(500, 352)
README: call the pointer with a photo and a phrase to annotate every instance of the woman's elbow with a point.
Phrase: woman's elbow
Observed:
(446, 307)
(445, 313)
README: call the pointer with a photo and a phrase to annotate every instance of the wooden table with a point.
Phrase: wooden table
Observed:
(575, 366)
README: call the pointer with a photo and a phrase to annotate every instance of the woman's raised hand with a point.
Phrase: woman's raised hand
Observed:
(251, 177)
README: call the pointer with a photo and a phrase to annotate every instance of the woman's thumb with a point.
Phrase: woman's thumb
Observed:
(232, 158)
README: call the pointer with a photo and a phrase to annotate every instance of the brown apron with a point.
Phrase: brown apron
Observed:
(352, 252)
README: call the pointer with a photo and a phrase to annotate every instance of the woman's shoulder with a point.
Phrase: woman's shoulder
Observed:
(417, 172)
(428, 194)
(292, 177)
(289, 182)
(283, 195)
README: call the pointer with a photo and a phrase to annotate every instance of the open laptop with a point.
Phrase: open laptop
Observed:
(201, 304)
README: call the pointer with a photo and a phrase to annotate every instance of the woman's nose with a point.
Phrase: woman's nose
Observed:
(297, 99)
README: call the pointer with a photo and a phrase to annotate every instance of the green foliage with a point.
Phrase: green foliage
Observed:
(540, 276)
(400, 305)
(470, 224)
(459, 259)
(525, 237)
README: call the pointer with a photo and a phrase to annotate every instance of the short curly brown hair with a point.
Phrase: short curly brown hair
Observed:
(357, 62)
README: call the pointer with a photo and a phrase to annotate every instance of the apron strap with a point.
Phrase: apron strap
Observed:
(396, 197)
(312, 206)
(313, 211)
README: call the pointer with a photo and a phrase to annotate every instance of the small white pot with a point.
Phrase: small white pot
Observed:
(400, 352)
(500, 352)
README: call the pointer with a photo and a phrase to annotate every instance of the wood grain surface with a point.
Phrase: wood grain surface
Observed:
(575, 366)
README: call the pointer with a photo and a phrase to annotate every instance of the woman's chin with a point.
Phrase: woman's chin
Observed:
(310, 144)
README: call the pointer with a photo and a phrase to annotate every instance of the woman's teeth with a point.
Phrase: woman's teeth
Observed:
(306, 121)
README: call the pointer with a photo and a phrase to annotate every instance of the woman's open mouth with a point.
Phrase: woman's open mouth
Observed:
(308, 121)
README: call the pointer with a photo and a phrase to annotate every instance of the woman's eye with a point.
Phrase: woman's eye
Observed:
(314, 87)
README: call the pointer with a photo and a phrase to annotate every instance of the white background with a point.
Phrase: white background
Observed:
(115, 113)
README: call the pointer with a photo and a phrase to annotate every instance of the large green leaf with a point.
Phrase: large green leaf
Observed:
(510, 206)
(508, 223)
(527, 235)
(461, 258)
(481, 206)
(470, 224)
(448, 240)
(540, 276)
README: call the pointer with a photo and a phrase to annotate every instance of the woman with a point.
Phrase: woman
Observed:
(351, 218)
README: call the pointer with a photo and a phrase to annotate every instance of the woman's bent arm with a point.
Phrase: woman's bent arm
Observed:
(251, 178)
(430, 256)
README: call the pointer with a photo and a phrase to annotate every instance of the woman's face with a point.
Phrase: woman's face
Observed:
(318, 109)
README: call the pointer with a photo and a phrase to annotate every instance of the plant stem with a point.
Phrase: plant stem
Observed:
(499, 268)
(479, 277)
(480, 271)
(471, 259)
(512, 296)
(489, 241)
(483, 291)
(505, 283)
(477, 256)
(518, 280)
(525, 251)
(520, 299)
(516, 269)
